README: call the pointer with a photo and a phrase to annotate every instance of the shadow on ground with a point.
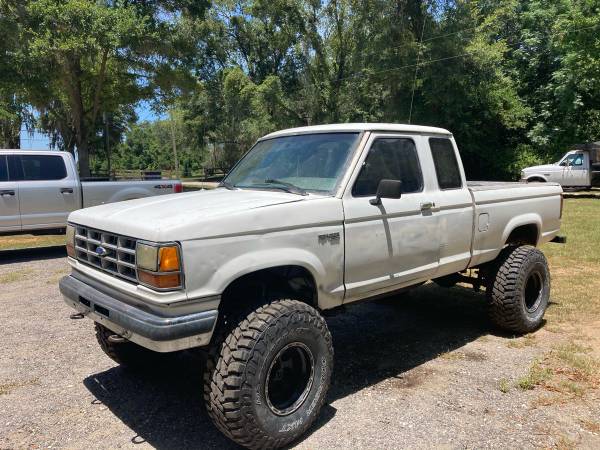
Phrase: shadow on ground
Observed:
(373, 341)
(32, 254)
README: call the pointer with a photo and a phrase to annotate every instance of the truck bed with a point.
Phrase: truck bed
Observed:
(100, 192)
(503, 206)
(494, 185)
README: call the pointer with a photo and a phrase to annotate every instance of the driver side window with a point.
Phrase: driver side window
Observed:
(389, 159)
(575, 159)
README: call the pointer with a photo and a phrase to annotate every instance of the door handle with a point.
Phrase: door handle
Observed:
(427, 206)
(66, 190)
(7, 192)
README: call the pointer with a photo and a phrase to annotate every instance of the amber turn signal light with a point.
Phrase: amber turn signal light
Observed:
(168, 259)
(161, 281)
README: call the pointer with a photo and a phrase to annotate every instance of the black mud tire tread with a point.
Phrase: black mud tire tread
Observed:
(126, 354)
(505, 289)
(228, 361)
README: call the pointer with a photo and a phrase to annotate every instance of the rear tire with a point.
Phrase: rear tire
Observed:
(127, 354)
(266, 382)
(519, 290)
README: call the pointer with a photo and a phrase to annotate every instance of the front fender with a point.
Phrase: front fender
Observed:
(213, 264)
(265, 259)
(530, 177)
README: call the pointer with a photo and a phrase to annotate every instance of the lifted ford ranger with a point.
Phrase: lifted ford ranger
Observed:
(310, 219)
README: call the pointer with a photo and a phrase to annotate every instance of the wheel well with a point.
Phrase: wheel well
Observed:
(539, 179)
(524, 234)
(263, 286)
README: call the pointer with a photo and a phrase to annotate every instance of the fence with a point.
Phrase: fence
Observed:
(208, 173)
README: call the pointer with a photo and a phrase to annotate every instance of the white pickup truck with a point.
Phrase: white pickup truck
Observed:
(578, 168)
(38, 190)
(310, 219)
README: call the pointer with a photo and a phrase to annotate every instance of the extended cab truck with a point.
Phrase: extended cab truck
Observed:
(578, 168)
(308, 220)
(38, 190)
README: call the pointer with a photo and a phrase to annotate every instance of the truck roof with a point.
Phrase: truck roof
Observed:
(349, 127)
(18, 151)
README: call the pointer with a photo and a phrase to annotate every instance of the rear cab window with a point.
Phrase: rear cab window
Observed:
(37, 168)
(389, 159)
(446, 164)
(3, 168)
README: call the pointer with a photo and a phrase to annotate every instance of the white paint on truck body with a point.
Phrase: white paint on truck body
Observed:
(352, 248)
(42, 188)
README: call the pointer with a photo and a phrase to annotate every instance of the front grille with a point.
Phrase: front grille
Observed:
(111, 253)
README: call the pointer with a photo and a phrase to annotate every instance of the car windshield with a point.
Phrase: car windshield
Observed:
(300, 163)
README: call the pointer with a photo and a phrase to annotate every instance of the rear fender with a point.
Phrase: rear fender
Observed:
(524, 219)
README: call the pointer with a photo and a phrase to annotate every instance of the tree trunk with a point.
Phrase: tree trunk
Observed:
(73, 84)
(10, 134)
(174, 144)
(84, 159)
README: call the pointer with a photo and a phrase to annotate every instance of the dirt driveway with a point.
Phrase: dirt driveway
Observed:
(416, 371)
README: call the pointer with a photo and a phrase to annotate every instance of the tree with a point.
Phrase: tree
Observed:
(98, 57)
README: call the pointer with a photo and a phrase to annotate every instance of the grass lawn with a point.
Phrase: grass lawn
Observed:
(575, 266)
(30, 241)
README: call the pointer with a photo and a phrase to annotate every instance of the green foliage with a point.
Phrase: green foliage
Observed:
(149, 145)
(81, 58)
(516, 81)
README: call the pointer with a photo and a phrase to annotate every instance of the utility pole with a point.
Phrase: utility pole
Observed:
(174, 143)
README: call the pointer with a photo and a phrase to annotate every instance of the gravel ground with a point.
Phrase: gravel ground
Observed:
(416, 371)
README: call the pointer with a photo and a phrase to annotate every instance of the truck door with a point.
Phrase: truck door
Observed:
(397, 241)
(10, 219)
(454, 206)
(47, 193)
(576, 170)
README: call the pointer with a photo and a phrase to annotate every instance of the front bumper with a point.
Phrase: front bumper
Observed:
(161, 333)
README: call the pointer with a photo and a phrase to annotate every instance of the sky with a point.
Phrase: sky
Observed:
(40, 141)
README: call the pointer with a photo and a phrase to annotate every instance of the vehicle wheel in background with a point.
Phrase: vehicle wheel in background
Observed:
(266, 381)
(519, 289)
(447, 281)
(127, 354)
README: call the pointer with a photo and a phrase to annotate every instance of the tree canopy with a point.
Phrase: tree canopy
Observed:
(516, 81)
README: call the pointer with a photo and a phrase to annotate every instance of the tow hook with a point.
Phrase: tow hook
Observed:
(76, 316)
(116, 339)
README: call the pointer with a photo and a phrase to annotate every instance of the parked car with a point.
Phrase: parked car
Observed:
(579, 168)
(309, 220)
(38, 190)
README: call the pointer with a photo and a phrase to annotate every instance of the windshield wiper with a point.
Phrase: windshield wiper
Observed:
(227, 185)
(289, 187)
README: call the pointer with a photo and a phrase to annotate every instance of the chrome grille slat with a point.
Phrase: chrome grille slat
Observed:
(119, 259)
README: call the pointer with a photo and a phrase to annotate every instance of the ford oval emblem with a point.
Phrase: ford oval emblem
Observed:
(101, 251)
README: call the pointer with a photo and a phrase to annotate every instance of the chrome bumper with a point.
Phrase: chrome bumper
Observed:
(161, 333)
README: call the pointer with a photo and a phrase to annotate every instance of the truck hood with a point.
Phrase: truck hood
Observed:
(542, 168)
(185, 216)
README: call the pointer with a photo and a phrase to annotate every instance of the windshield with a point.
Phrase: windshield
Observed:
(306, 162)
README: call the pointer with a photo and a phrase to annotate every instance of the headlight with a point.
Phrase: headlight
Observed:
(70, 241)
(159, 266)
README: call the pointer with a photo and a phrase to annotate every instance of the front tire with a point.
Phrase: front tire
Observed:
(265, 384)
(519, 291)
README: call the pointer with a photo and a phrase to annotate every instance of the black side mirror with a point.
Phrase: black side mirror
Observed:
(387, 189)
